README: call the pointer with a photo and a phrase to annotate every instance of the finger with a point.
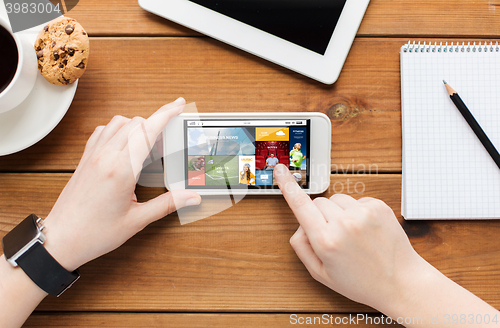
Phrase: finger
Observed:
(160, 118)
(116, 123)
(142, 138)
(159, 144)
(93, 138)
(302, 247)
(376, 205)
(124, 135)
(367, 200)
(329, 209)
(155, 124)
(344, 201)
(308, 215)
(121, 138)
(165, 204)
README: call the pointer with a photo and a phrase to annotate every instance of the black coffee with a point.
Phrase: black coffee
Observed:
(9, 58)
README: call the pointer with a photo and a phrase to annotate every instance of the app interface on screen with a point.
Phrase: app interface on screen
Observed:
(244, 153)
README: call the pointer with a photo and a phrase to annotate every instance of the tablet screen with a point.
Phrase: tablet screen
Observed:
(242, 153)
(307, 23)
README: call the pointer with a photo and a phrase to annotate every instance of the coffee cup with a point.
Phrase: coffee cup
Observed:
(18, 67)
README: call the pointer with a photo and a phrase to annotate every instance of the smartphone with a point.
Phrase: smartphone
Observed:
(236, 153)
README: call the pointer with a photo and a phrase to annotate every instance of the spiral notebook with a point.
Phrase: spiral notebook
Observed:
(447, 173)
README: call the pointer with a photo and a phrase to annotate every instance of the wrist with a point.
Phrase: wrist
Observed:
(408, 288)
(19, 295)
(24, 248)
(15, 277)
(60, 247)
(426, 294)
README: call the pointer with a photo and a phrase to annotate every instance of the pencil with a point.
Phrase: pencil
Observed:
(473, 123)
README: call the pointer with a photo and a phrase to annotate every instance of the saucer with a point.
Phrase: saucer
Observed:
(38, 114)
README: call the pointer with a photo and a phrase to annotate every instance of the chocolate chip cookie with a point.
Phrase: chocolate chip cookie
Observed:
(62, 49)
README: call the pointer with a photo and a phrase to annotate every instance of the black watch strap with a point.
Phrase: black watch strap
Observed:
(45, 271)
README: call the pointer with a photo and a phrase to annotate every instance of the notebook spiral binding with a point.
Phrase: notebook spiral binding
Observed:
(418, 47)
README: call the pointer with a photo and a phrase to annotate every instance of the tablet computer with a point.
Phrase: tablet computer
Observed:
(311, 37)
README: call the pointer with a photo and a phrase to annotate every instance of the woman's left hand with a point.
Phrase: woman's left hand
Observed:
(98, 210)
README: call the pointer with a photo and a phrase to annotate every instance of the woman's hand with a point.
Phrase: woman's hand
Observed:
(355, 247)
(98, 210)
(358, 249)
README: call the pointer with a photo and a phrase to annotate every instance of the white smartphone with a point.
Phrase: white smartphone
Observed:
(236, 153)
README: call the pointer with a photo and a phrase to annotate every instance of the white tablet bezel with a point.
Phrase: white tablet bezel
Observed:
(324, 68)
(319, 152)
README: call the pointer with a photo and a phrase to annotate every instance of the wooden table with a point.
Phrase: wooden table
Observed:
(236, 268)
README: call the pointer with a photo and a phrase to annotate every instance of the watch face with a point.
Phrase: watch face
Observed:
(21, 235)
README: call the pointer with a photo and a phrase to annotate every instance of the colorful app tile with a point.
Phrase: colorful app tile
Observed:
(271, 134)
(298, 148)
(196, 178)
(196, 170)
(247, 170)
(221, 170)
(270, 153)
(221, 141)
(264, 177)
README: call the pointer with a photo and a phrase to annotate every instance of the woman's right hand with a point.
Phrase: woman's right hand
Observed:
(359, 249)
(355, 247)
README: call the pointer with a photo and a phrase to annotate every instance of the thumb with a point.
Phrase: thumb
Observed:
(167, 203)
(285, 181)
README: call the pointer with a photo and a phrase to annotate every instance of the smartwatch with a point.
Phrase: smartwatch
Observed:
(23, 247)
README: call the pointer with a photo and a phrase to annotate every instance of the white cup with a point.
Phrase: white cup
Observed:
(27, 69)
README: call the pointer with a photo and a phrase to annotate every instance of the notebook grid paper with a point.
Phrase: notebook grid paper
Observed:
(447, 172)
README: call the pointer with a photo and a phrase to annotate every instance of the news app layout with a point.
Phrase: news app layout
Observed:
(244, 153)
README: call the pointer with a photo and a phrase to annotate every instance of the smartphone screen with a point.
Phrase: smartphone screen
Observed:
(242, 153)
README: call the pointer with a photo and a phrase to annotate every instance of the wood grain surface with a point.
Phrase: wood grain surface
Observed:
(364, 104)
(241, 320)
(236, 268)
(240, 259)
